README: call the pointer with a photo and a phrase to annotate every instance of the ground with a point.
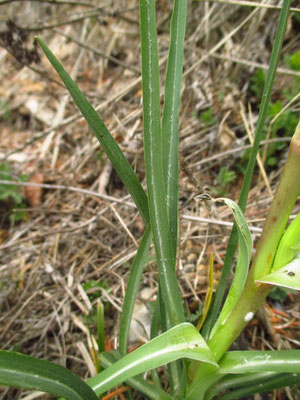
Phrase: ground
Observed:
(70, 239)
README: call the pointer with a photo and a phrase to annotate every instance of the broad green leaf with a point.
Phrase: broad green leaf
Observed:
(289, 245)
(20, 370)
(241, 362)
(181, 341)
(242, 267)
(287, 276)
(110, 146)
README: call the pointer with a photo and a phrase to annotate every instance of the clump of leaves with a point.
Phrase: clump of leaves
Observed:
(10, 195)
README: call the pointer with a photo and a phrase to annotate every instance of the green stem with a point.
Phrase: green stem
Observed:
(286, 195)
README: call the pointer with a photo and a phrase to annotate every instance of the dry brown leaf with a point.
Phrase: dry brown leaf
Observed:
(34, 194)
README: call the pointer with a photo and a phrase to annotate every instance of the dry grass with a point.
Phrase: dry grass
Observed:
(80, 224)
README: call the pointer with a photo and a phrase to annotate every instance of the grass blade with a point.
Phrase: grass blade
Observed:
(154, 164)
(229, 257)
(20, 370)
(108, 143)
(181, 341)
(132, 289)
(170, 119)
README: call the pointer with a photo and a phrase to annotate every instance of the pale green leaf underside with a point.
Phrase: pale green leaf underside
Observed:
(243, 261)
(287, 276)
(241, 362)
(181, 341)
(20, 370)
(289, 245)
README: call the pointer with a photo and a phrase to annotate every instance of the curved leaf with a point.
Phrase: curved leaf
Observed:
(242, 267)
(287, 276)
(240, 362)
(20, 370)
(181, 341)
(289, 245)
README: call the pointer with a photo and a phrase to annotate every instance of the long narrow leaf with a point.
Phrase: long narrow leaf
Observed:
(233, 382)
(182, 341)
(110, 146)
(276, 382)
(170, 144)
(22, 371)
(242, 267)
(229, 257)
(132, 289)
(170, 120)
(154, 164)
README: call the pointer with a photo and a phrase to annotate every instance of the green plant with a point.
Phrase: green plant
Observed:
(5, 111)
(224, 178)
(200, 367)
(208, 118)
(10, 194)
(280, 121)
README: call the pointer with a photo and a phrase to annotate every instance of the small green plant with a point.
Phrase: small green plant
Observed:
(223, 180)
(285, 121)
(10, 194)
(258, 82)
(5, 112)
(208, 118)
(200, 367)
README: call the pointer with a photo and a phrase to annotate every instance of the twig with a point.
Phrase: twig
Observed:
(54, 2)
(251, 4)
(100, 53)
(71, 188)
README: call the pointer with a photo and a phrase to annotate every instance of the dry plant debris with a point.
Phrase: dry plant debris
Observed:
(76, 223)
